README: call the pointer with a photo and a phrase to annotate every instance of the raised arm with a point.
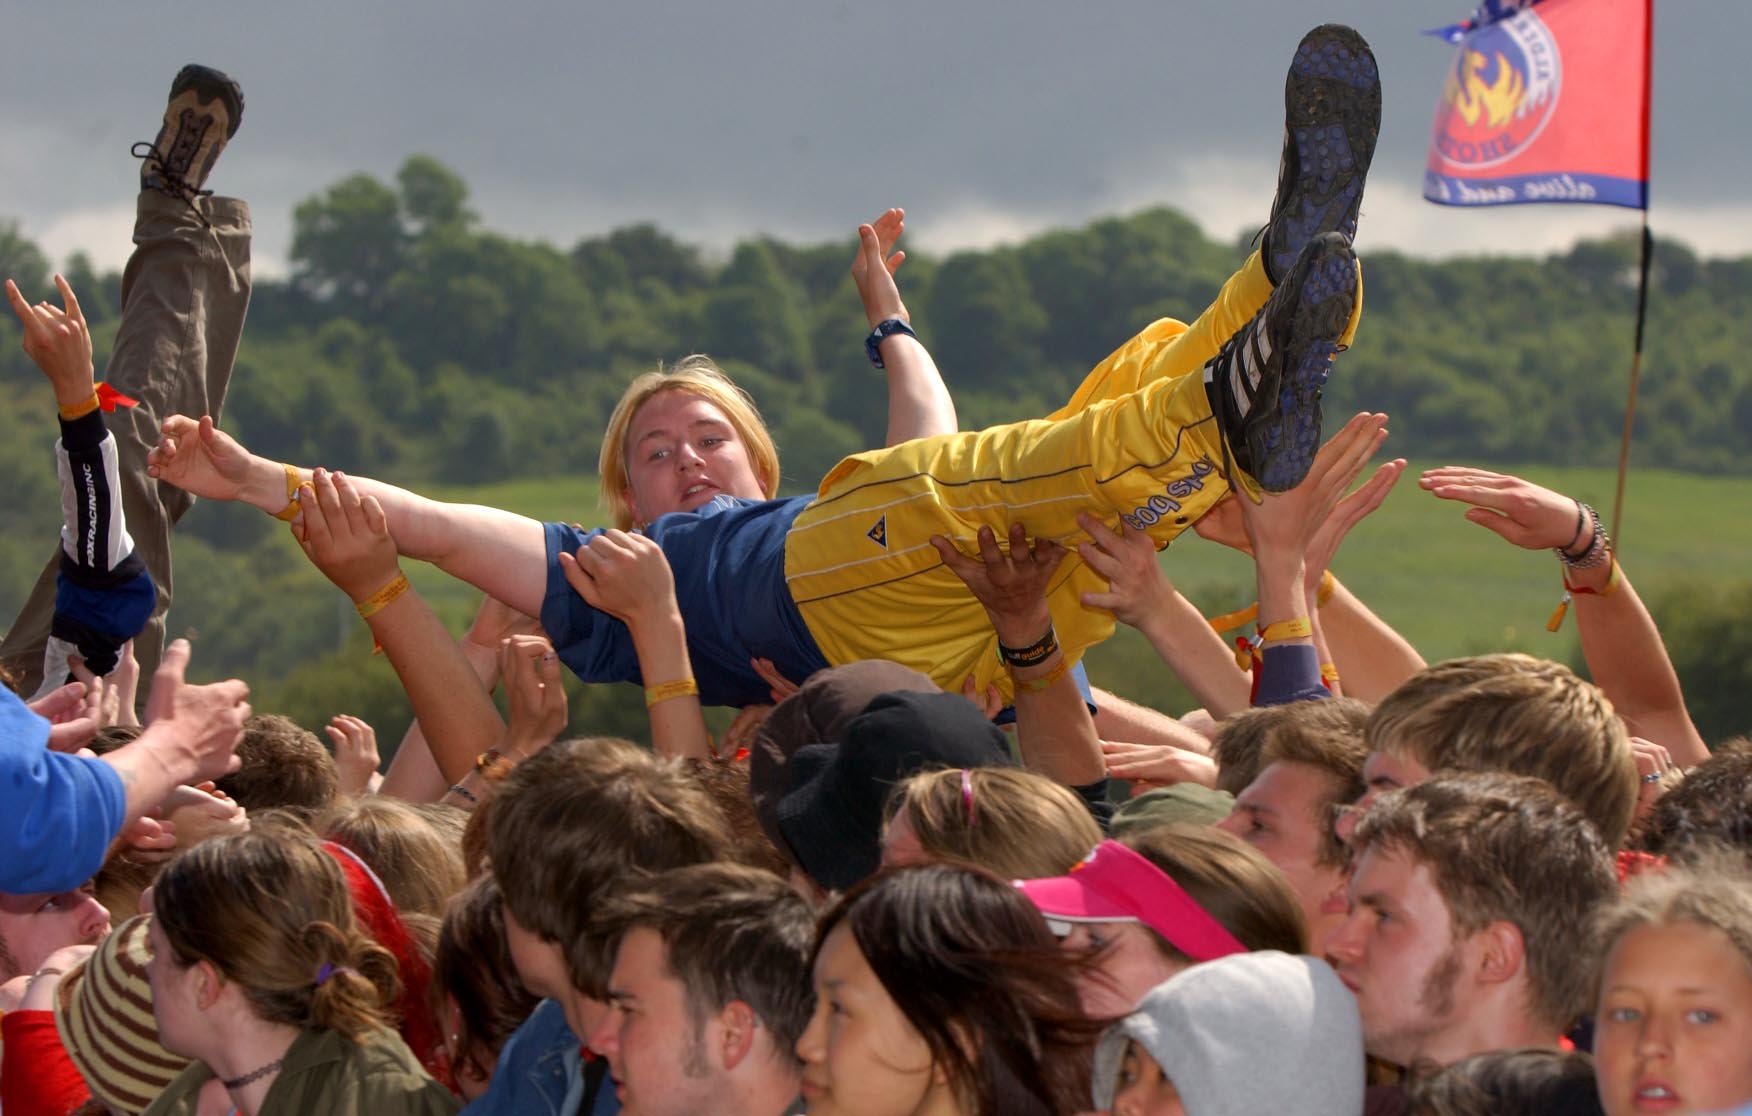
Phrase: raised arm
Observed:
(499, 552)
(919, 405)
(1620, 642)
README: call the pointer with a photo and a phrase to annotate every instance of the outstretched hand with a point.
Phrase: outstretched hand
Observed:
(345, 536)
(874, 266)
(1284, 524)
(206, 720)
(533, 692)
(356, 758)
(1136, 586)
(1010, 583)
(1520, 511)
(57, 339)
(197, 457)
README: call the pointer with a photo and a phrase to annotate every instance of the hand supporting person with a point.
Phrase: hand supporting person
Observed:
(356, 757)
(1620, 642)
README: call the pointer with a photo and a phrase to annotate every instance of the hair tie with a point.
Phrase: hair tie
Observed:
(967, 796)
(328, 970)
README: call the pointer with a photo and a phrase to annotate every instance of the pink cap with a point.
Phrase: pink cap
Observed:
(1115, 884)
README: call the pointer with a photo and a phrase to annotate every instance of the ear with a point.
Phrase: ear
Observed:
(632, 504)
(737, 1025)
(208, 985)
(1502, 952)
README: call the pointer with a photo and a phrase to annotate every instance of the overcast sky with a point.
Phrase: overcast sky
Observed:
(987, 119)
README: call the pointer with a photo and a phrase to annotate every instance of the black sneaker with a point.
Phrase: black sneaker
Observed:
(1267, 379)
(1332, 115)
(204, 112)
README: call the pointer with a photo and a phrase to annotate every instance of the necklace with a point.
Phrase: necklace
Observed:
(252, 1075)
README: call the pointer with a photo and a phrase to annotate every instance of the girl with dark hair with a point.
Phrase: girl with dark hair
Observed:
(940, 991)
(475, 990)
(261, 973)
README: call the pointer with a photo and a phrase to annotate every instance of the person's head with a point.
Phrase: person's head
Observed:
(419, 863)
(260, 926)
(1244, 739)
(1466, 905)
(1159, 901)
(103, 1014)
(938, 988)
(475, 990)
(1712, 804)
(1246, 1034)
(1308, 773)
(831, 820)
(710, 990)
(1673, 1022)
(679, 437)
(1529, 1082)
(36, 925)
(569, 827)
(1511, 713)
(727, 781)
(283, 766)
(1015, 824)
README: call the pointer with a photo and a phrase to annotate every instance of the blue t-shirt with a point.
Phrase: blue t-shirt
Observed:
(728, 559)
(58, 813)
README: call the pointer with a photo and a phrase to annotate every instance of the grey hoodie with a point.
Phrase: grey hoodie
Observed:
(1250, 1034)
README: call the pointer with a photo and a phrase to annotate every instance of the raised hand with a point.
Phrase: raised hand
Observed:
(206, 721)
(345, 536)
(495, 622)
(74, 713)
(533, 693)
(196, 813)
(1136, 586)
(624, 575)
(356, 757)
(1285, 523)
(778, 685)
(1350, 511)
(1520, 511)
(58, 341)
(1011, 583)
(874, 266)
(196, 456)
(1147, 766)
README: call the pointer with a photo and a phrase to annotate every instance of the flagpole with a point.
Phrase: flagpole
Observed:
(1642, 287)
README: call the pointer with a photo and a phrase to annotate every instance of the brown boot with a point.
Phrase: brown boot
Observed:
(204, 112)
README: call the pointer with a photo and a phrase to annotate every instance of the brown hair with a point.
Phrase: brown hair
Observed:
(1231, 880)
(726, 780)
(1712, 804)
(729, 933)
(693, 375)
(971, 965)
(1506, 848)
(473, 966)
(1335, 748)
(1518, 714)
(419, 864)
(1023, 825)
(1243, 740)
(1712, 889)
(273, 915)
(283, 765)
(572, 822)
(1534, 1080)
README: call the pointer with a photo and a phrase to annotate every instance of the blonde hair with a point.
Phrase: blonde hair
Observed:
(1517, 714)
(418, 859)
(694, 375)
(1022, 826)
(272, 913)
(1712, 889)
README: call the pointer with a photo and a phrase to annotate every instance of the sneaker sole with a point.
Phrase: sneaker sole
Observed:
(1332, 113)
(1283, 440)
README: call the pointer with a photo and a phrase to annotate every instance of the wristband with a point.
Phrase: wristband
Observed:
(461, 791)
(1598, 547)
(47, 971)
(1329, 674)
(665, 691)
(1032, 655)
(1046, 681)
(886, 328)
(384, 597)
(80, 410)
(1299, 628)
(1562, 609)
(290, 512)
(485, 762)
(1328, 583)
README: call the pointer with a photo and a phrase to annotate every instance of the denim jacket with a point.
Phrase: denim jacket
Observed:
(541, 1072)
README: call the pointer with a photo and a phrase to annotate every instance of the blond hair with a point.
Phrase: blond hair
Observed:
(272, 913)
(1518, 714)
(1022, 825)
(1712, 889)
(417, 858)
(694, 375)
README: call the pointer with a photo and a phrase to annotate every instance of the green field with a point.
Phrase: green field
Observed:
(1451, 587)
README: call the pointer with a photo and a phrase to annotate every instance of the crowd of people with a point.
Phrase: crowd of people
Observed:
(931, 868)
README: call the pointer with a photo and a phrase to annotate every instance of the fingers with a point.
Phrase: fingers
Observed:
(1478, 495)
(782, 687)
(581, 582)
(20, 307)
(375, 521)
(69, 299)
(953, 558)
(988, 546)
(348, 498)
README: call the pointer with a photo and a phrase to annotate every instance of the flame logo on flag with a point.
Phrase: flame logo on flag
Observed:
(1503, 88)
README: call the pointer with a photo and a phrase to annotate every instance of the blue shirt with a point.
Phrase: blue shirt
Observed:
(58, 813)
(728, 559)
(541, 1072)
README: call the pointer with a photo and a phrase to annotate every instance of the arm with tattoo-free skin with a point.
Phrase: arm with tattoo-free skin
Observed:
(1620, 642)
(919, 405)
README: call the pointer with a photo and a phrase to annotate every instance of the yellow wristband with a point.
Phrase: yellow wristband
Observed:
(1328, 673)
(1046, 681)
(1323, 594)
(382, 599)
(1299, 628)
(664, 691)
(290, 512)
(80, 410)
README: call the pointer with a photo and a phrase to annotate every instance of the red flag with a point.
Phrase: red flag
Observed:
(1546, 101)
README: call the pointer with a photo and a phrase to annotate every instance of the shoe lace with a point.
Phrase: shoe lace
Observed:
(167, 181)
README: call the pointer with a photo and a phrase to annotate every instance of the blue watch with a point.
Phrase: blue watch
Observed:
(886, 328)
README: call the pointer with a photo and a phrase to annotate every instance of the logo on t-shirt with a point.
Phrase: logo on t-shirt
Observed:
(879, 533)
